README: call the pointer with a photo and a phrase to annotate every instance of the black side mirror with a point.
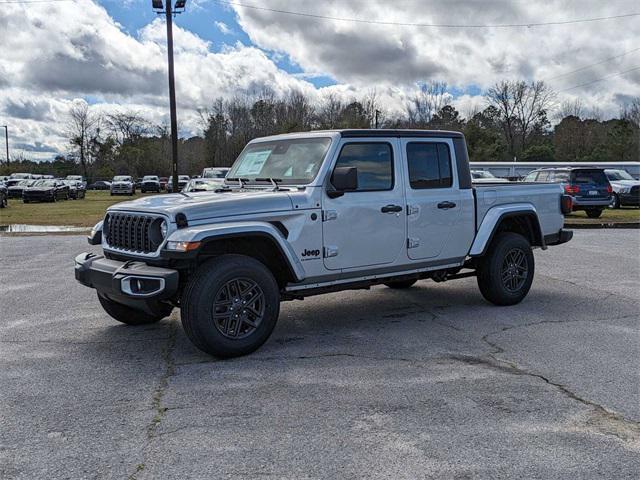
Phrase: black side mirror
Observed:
(343, 179)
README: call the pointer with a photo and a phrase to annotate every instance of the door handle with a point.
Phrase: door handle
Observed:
(391, 209)
(446, 205)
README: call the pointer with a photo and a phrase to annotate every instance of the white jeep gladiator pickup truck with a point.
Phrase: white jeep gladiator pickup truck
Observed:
(310, 213)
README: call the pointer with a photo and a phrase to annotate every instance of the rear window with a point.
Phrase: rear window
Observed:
(588, 176)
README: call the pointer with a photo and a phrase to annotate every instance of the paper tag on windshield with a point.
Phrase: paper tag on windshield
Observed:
(252, 163)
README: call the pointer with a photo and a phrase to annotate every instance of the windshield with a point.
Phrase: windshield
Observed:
(203, 185)
(44, 183)
(482, 174)
(74, 177)
(121, 178)
(215, 172)
(294, 161)
(149, 178)
(618, 175)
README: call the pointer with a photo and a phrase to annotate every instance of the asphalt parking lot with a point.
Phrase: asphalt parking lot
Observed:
(431, 382)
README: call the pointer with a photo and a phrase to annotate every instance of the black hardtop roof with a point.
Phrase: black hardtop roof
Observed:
(397, 132)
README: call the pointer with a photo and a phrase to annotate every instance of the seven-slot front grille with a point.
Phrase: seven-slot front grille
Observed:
(635, 190)
(132, 232)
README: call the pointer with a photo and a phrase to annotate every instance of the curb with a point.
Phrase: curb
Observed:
(629, 225)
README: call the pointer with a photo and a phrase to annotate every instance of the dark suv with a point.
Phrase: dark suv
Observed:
(589, 188)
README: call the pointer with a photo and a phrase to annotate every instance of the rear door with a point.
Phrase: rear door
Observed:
(440, 216)
(366, 227)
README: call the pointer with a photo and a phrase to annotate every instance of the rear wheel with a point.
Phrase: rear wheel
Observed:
(401, 284)
(230, 306)
(505, 273)
(615, 201)
(131, 316)
(594, 212)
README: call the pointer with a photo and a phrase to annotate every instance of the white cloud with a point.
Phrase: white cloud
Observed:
(224, 28)
(54, 53)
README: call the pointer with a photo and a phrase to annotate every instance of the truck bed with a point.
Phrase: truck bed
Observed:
(540, 195)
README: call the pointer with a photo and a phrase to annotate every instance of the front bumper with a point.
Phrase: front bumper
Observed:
(131, 283)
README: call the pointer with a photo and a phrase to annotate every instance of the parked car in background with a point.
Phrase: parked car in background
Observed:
(15, 190)
(182, 181)
(76, 189)
(215, 172)
(46, 191)
(123, 185)
(99, 185)
(589, 188)
(626, 189)
(17, 177)
(4, 195)
(163, 182)
(78, 178)
(150, 183)
(203, 185)
(481, 176)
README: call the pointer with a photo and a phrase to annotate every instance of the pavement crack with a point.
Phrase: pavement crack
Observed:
(608, 422)
(158, 394)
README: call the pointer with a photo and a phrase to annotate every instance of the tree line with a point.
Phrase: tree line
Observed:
(515, 123)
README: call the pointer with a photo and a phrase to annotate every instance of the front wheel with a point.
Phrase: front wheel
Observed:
(594, 213)
(131, 316)
(505, 273)
(230, 306)
(615, 201)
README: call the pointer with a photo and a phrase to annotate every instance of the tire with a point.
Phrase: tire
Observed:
(615, 201)
(504, 251)
(3, 202)
(594, 212)
(401, 284)
(131, 316)
(220, 279)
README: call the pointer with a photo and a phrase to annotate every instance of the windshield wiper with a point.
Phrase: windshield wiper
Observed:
(241, 181)
(274, 182)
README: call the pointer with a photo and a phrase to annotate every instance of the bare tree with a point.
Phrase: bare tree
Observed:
(631, 111)
(571, 108)
(127, 126)
(523, 108)
(83, 130)
(426, 102)
(329, 112)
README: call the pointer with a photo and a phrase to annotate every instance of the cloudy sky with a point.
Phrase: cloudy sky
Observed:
(111, 54)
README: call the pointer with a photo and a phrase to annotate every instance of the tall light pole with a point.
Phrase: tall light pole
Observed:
(159, 8)
(6, 141)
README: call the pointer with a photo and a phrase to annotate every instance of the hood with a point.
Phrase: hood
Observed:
(121, 182)
(203, 205)
(39, 189)
(624, 183)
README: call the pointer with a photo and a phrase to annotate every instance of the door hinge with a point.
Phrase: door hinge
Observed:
(329, 215)
(413, 242)
(412, 209)
(330, 251)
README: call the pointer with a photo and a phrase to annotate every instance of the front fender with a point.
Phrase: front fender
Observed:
(492, 220)
(203, 233)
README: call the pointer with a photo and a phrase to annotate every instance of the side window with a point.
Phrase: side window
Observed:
(429, 165)
(531, 177)
(544, 176)
(374, 162)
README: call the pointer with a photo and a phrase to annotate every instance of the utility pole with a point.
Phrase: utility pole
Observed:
(376, 115)
(179, 8)
(6, 140)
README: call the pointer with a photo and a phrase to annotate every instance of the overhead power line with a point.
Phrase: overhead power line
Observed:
(601, 79)
(427, 25)
(34, 1)
(592, 65)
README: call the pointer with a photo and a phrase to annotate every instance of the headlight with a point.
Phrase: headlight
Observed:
(164, 228)
(625, 189)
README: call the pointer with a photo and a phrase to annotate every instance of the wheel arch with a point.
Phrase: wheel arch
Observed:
(522, 219)
(260, 240)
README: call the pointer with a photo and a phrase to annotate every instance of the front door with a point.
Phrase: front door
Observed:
(366, 227)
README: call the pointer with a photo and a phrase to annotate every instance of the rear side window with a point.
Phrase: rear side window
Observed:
(561, 177)
(374, 162)
(588, 176)
(544, 176)
(429, 165)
